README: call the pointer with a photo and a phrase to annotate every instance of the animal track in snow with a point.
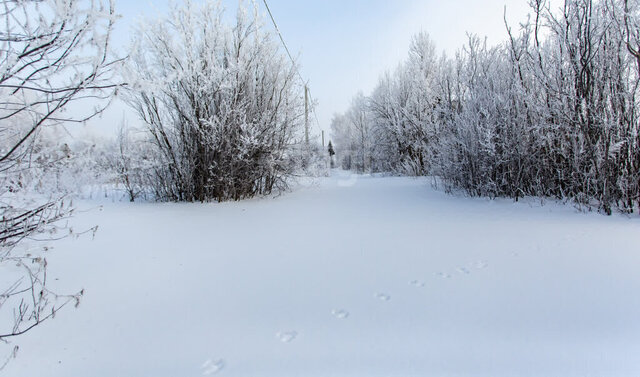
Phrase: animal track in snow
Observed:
(383, 297)
(417, 283)
(463, 270)
(287, 336)
(480, 265)
(340, 314)
(212, 366)
(443, 275)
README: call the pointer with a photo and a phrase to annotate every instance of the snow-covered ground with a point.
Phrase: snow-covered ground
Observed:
(346, 277)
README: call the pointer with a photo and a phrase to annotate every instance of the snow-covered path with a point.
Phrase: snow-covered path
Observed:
(347, 277)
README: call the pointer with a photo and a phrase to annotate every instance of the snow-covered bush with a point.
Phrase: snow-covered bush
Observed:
(126, 163)
(53, 54)
(221, 103)
(553, 112)
(310, 160)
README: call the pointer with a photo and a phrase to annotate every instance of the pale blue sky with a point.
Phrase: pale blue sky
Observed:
(344, 45)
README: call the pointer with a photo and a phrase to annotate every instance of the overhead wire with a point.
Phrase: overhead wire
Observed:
(293, 61)
(286, 48)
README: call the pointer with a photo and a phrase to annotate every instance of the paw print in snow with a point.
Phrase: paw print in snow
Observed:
(212, 366)
(383, 297)
(287, 336)
(340, 314)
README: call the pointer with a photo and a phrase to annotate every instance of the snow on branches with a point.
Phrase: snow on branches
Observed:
(553, 112)
(53, 54)
(221, 103)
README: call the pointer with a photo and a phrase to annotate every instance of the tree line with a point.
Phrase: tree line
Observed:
(552, 112)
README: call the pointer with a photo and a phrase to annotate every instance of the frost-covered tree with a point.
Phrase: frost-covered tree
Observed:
(403, 111)
(552, 112)
(128, 161)
(353, 133)
(54, 57)
(221, 104)
(344, 144)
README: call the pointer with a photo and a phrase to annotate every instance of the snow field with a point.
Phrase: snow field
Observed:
(350, 276)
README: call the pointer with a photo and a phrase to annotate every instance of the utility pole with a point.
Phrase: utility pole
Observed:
(322, 139)
(306, 114)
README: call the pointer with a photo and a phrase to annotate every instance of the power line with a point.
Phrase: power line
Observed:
(293, 61)
(275, 24)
